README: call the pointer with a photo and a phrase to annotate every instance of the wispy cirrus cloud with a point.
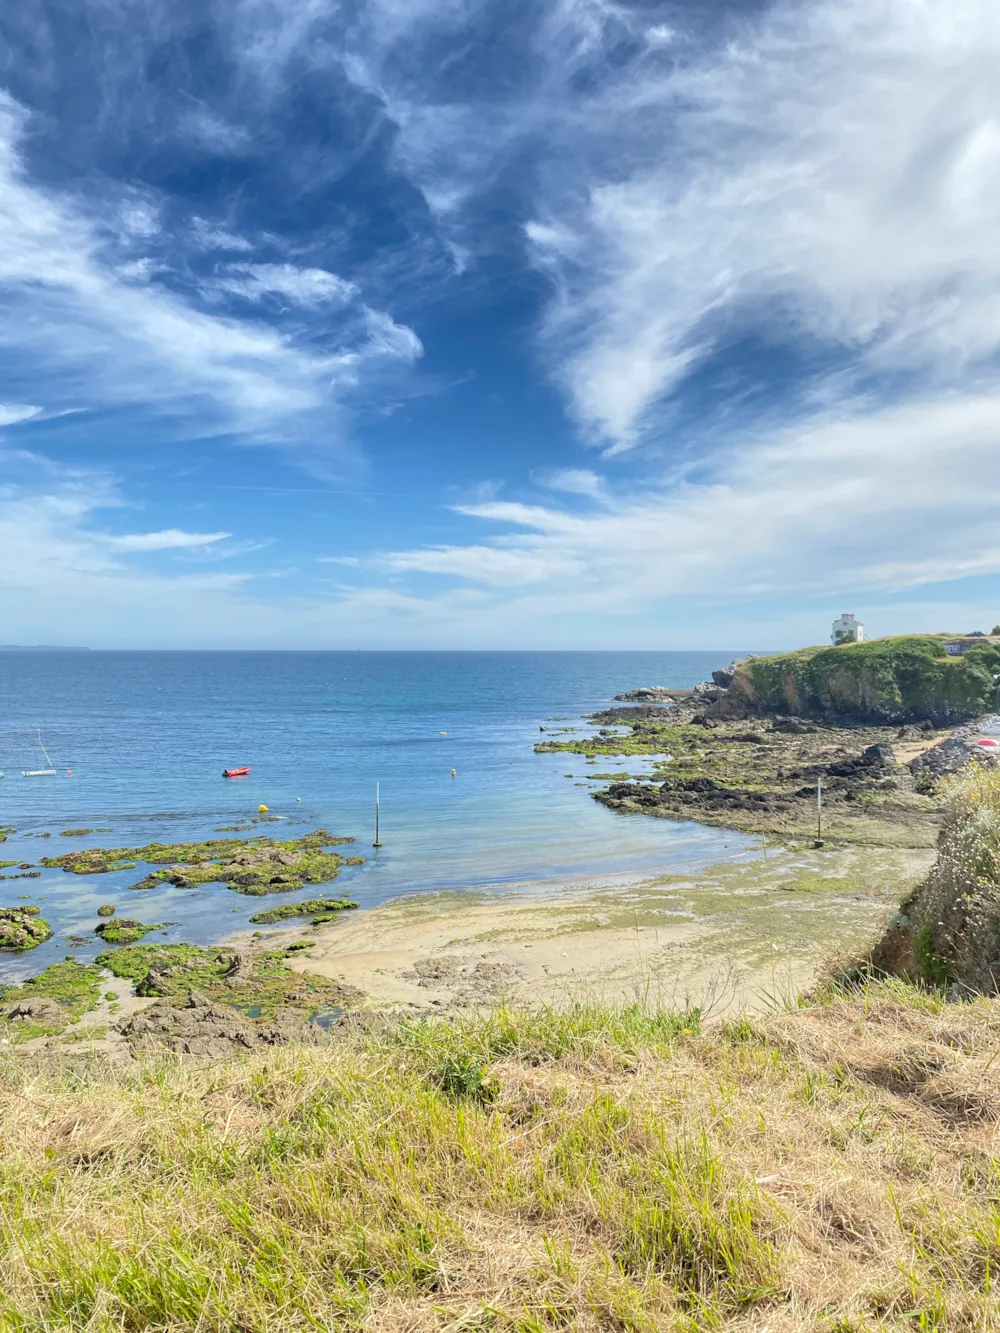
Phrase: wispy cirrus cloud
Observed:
(821, 177)
(103, 326)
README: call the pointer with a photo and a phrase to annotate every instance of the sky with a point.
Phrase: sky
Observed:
(493, 324)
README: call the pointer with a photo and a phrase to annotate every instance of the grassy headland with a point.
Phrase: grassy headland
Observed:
(908, 678)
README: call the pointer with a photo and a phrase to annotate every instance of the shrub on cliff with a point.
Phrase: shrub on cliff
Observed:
(948, 930)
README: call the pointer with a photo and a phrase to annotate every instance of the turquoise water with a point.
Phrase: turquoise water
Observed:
(146, 736)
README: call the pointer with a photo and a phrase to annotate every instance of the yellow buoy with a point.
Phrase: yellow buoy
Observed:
(442, 733)
(452, 772)
(262, 809)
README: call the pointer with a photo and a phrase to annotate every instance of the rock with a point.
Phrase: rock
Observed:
(41, 1011)
(22, 928)
(106, 909)
(792, 726)
(240, 969)
(950, 756)
(647, 694)
(213, 1031)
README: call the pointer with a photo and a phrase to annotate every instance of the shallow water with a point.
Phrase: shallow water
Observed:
(146, 736)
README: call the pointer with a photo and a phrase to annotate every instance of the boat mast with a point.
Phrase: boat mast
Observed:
(43, 749)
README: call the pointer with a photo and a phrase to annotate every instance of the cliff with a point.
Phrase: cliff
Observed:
(906, 679)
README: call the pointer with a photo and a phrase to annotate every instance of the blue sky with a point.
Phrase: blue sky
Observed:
(479, 323)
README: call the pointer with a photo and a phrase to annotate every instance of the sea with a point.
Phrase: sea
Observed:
(139, 741)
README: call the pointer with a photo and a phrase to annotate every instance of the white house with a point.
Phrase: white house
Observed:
(847, 630)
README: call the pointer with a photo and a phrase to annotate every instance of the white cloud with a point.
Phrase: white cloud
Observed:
(492, 565)
(171, 539)
(893, 500)
(837, 166)
(574, 481)
(824, 174)
(208, 236)
(13, 413)
(307, 287)
(214, 133)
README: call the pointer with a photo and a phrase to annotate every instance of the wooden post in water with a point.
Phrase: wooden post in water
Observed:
(376, 843)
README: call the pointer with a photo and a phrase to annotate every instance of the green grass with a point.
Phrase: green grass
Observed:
(584, 1169)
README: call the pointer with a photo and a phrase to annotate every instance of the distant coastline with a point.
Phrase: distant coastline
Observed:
(41, 648)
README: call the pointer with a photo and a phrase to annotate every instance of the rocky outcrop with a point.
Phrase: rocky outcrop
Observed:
(37, 1011)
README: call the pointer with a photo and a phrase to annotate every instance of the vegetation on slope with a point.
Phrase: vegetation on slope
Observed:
(948, 930)
(904, 679)
(825, 1170)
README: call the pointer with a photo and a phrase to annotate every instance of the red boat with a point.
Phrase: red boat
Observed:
(236, 772)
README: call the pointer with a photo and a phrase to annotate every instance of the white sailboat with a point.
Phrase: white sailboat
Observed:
(49, 772)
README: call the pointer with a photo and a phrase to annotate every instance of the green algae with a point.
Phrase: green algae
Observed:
(330, 906)
(22, 928)
(253, 866)
(264, 984)
(75, 832)
(75, 987)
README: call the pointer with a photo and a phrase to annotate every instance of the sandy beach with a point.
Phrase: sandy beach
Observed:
(733, 936)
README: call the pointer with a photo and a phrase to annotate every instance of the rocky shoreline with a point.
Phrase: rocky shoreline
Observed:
(759, 773)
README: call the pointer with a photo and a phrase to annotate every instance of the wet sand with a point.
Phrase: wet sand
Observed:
(734, 936)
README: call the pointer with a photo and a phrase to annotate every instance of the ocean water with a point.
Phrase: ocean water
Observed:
(139, 741)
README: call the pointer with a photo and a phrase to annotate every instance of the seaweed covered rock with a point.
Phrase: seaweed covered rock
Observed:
(22, 928)
(125, 930)
(947, 932)
(258, 984)
(46, 1004)
(320, 909)
(254, 866)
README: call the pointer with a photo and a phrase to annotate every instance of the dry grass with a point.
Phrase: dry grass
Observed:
(830, 1168)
